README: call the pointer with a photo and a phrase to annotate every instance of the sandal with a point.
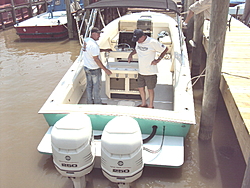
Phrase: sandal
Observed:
(151, 107)
(140, 105)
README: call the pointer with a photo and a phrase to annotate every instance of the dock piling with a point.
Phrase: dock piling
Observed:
(218, 26)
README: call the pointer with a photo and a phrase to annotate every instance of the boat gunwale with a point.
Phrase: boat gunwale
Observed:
(51, 106)
(115, 110)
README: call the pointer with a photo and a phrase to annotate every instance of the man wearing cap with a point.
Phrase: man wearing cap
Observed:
(146, 48)
(90, 55)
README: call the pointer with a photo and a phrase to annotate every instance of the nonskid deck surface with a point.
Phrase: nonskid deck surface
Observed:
(163, 91)
(163, 98)
(45, 19)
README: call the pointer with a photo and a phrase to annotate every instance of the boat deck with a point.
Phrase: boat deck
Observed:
(163, 91)
(164, 102)
(235, 80)
(45, 19)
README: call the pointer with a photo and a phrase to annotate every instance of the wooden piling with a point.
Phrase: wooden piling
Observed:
(12, 8)
(246, 180)
(190, 30)
(1, 21)
(198, 47)
(218, 25)
(246, 14)
(30, 12)
(69, 20)
(13, 11)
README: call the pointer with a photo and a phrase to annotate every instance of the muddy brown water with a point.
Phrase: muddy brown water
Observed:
(29, 71)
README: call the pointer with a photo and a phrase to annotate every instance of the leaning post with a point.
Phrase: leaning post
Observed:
(218, 26)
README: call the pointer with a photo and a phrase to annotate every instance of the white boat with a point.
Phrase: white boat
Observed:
(44, 26)
(236, 2)
(174, 106)
(51, 25)
(237, 9)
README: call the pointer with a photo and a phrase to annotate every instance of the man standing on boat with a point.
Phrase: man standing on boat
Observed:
(90, 55)
(146, 48)
(198, 7)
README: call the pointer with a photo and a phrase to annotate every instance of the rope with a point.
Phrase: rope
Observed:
(198, 77)
(79, 32)
(235, 75)
(202, 75)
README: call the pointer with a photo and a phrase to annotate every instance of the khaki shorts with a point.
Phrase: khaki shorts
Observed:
(147, 80)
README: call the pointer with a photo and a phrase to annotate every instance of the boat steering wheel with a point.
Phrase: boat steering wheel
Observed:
(123, 47)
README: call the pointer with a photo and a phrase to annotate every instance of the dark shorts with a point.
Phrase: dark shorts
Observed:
(147, 80)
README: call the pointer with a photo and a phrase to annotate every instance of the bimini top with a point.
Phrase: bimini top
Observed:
(168, 5)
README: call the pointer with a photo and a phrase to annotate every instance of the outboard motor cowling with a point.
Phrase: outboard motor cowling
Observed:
(73, 147)
(121, 151)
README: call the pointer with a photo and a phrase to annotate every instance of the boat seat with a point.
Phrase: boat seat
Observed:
(165, 39)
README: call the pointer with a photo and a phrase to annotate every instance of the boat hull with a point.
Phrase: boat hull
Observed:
(174, 108)
(46, 26)
(99, 122)
(42, 32)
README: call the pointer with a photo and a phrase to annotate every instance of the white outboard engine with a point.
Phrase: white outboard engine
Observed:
(73, 147)
(121, 151)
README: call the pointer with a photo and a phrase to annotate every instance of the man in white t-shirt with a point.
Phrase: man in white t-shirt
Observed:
(90, 55)
(146, 48)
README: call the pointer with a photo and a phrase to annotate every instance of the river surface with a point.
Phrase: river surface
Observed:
(29, 71)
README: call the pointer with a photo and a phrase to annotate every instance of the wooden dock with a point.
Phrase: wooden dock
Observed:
(235, 80)
(12, 13)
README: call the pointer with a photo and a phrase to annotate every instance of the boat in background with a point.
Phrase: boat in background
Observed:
(120, 137)
(46, 26)
(237, 10)
(233, 3)
(14, 11)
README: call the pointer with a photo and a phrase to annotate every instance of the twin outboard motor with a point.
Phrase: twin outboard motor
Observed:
(121, 151)
(73, 147)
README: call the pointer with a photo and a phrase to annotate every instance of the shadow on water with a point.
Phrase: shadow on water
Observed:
(46, 163)
(64, 40)
(154, 172)
(221, 157)
(159, 177)
(228, 152)
(206, 160)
